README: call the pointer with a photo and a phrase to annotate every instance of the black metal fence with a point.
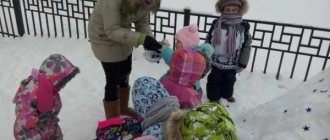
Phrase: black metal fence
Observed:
(277, 47)
(11, 18)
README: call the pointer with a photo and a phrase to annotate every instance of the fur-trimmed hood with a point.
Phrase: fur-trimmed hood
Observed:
(172, 131)
(220, 4)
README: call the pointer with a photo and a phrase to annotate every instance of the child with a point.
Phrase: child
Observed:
(152, 102)
(210, 121)
(187, 37)
(38, 102)
(232, 41)
(119, 128)
(187, 66)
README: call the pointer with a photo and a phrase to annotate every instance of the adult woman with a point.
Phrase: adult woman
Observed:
(112, 42)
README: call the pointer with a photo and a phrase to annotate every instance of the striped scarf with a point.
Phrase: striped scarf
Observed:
(232, 20)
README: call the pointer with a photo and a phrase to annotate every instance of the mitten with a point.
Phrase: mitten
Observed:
(165, 42)
(149, 43)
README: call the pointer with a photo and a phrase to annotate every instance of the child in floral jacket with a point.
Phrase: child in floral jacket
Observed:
(38, 102)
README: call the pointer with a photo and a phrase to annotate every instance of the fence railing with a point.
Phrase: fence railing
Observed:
(11, 18)
(277, 47)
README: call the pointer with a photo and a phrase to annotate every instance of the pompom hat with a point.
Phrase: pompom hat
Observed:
(188, 36)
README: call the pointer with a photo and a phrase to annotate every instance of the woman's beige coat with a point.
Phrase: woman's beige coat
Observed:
(109, 30)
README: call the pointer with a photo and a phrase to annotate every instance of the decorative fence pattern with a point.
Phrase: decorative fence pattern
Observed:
(10, 18)
(287, 47)
(57, 17)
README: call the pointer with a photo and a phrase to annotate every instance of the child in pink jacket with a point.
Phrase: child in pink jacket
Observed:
(38, 102)
(187, 66)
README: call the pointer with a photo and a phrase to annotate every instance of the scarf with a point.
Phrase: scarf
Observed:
(232, 20)
(161, 111)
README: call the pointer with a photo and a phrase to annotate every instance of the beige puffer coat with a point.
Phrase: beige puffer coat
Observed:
(110, 33)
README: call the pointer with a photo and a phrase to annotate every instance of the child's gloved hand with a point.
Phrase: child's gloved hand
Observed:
(152, 56)
(165, 42)
(149, 43)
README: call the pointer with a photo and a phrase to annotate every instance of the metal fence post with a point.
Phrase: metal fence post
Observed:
(186, 20)
(19, 17)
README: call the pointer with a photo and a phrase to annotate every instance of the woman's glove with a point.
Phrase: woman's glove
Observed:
(149, 43)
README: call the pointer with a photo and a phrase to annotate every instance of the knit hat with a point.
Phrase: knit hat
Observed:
(188, 36)
(210, 121)
(231, 2)
(243, 4)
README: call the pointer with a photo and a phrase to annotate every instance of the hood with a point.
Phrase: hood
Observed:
(187, 66)
(42, 84)
(146, 92)
(58, 70)
(209, 121)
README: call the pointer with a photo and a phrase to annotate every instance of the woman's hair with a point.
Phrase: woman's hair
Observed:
(132, 6)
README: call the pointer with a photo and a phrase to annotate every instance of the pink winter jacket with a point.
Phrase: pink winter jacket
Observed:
(186, 67)
(38, 102)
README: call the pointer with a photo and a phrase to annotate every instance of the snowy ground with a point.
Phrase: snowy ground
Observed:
(301, 114)
(83, 95)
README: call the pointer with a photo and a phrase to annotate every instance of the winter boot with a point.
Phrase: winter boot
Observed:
(124, 98)
(111, 108)
(231, 99)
